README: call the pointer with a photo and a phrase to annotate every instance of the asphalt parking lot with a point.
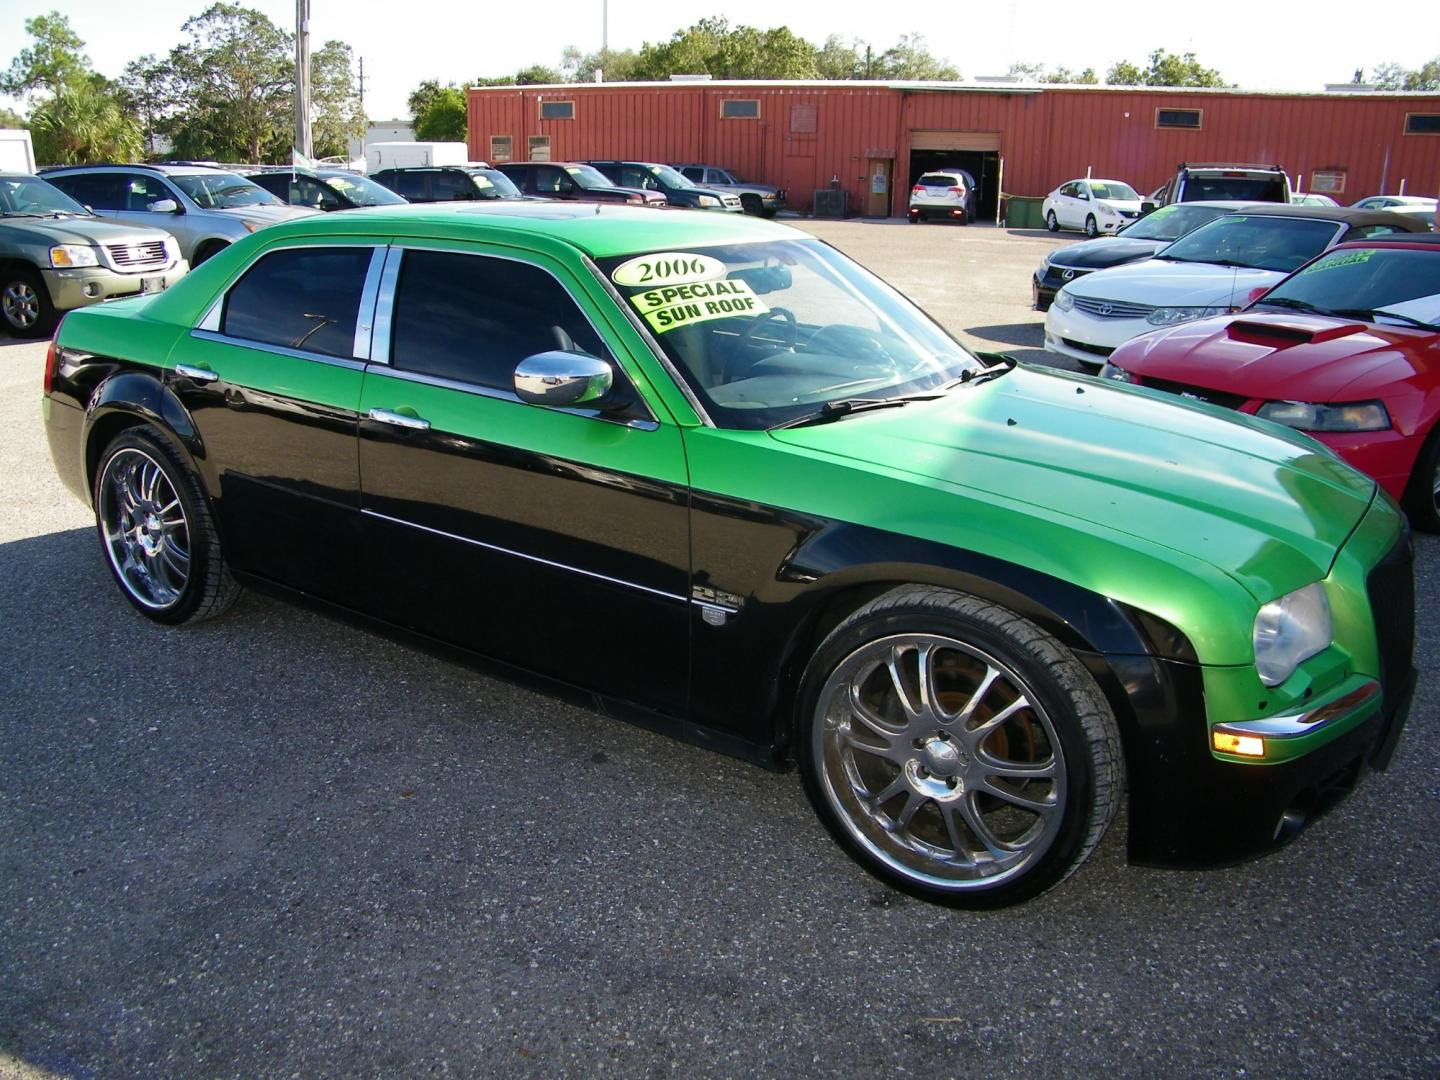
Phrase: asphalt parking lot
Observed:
(277, 845)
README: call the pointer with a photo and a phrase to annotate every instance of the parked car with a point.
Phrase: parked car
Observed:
(1209, 182)
(678, 191)
(322, 189)
(575, 181)
(1095, 206)
(1139, 240)
(1305, 198)
(1212, 271)
(762, 200)
(1394, 202)
(465, 183)
(710, 472)
(1343, 349)
(1425, 215)
(56, 256)
(944, 193)
(205, 209)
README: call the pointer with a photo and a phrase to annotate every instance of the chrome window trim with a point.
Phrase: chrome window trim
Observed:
(365, 317)
(654, 346)
(279, 350)
(384, 325)
(528, 558)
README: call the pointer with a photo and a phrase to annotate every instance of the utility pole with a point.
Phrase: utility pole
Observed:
(604, 39)
(303, 144)
(362, 86)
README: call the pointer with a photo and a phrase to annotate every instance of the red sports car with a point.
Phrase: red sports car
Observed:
(1347, 349)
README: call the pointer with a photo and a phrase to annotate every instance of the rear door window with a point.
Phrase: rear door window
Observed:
(99, 191)
(300, 298)
(448, 186)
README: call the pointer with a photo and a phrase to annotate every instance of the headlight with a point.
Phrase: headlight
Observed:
(1106, 208)
(1119, 374)
(710, 200)
(73, 255)
(1290, 630)
(1308, 416)
(251, 226)
(1170, 316)
(1063, 300)
(172, 248)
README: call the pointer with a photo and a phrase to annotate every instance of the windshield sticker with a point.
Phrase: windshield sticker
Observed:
(1346, 258)
(668, 268)
(674, 306)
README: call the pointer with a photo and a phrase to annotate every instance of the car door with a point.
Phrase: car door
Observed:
(271, 380)
(553, 539)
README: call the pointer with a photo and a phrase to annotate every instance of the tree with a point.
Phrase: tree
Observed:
(83, 121)
(334, 101)
(10, 119)
(616, 65)
(444, 116)
(231, 86)
(54, 60)
(711, 47)
(537, 75)
(1039, 73)
(838, 59)
(910, 59)
(1393, 76)
(143, 95)
(1166, 69)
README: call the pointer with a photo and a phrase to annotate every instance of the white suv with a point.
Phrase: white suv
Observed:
(944, 193)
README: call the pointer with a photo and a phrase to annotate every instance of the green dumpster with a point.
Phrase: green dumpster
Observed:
(1023, 212)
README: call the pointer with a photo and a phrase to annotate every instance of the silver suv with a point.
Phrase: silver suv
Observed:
(204, 208)
(758, 199)
(55, 255)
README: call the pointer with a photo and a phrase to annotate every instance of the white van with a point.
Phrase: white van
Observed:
(17, 154)
(409, 155)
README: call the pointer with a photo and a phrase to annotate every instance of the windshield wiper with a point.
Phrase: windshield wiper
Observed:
(1370, 313)
(834, 410)
(1297, 305)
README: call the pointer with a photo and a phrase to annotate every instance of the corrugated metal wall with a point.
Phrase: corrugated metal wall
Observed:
(807, 133)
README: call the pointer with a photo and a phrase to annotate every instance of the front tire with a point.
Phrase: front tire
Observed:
(157, 532)
(1051, 222)
(955, 750)
(752, 204)
(25, 303)
(1092, 230)
(1422, 494)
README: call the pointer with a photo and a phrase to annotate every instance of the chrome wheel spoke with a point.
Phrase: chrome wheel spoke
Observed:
(1043, 807)
(977, 735)
(913, 803)
(975, 822)
(146, 534)
(893, 664)
(895, 787)
(950, 814)
(867, 716)
(890, 752)
(1018, 770)
(964, 716)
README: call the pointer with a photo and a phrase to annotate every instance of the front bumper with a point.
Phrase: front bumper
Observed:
(1050, 279)
(1087, 339)
(81, 286)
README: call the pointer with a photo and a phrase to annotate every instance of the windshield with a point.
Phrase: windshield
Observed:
(1172, 222)
(1113, 189)
(669, 177)
(1401, 279)
(362, 191)
(493, 184)
(766, 332)
(588, 176)
(940, 180)
(30, 196)
(1242, 188)
(223, 191)
(1260, 243)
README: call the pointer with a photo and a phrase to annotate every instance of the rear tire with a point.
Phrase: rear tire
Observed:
(1422, 494)
(955, 750)
(1051, 222)
(25, 303)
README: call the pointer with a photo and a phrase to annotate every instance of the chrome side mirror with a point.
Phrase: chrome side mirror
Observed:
(164, 206)
(563, 378)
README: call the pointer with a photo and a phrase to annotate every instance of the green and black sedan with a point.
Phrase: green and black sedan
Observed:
(708, 472)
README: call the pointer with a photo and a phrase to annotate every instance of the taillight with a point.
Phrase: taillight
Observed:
(957, 191)
(917, 190)
(52, 359)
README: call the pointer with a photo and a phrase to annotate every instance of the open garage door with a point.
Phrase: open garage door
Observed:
(977, 152)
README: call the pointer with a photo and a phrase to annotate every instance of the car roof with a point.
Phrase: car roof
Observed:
(164, 170)
(1411, 240)
(1349, 215)
(597, 229)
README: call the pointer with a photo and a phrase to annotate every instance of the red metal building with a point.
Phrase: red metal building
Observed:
(873, 139)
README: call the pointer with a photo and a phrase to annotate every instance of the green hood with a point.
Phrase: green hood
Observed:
(1267, 507)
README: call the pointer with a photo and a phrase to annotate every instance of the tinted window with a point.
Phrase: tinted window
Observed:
(472, 319)
(276, 183)
(411, 185)
(1173, 222)
(449, 186)
(1236, 188)
(301, 298)
(1264, 243)
(99, 191)
(695, 174)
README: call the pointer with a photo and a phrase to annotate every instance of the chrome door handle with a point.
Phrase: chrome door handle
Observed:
(197, 374)
(385, 416)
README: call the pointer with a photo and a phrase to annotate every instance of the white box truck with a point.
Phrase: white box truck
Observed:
(408, 155)
(17, 153)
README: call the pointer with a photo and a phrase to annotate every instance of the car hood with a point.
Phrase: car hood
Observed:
(1165, 283)
(1105, 251)
(269, 215)
(1267, 507)
(1282, 356)
(81, 230)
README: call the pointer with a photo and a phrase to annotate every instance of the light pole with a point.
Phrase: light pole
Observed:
(302, 77)
(604, 40)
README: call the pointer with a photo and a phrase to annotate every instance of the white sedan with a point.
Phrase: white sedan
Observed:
(1214, 270)
(1096, 206)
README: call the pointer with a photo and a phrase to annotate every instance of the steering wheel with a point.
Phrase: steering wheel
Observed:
(746, 340)
(851, 342)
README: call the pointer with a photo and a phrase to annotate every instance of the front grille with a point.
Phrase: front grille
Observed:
(731, 200)
(1129, 213)
(1112, 309)
(1391, 587)
(1085, 346)
(143, 256)
(1196, 393)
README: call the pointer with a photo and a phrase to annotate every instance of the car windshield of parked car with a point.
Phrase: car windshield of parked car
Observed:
(363, 191)
(1259, 243)
(588, 176)
(764, 333)
(1172, 222)
(1403, 280)
(223, 191)
(1238, 188)
(29, 196)
(670, 177)
(493, 184)
(1113, 189)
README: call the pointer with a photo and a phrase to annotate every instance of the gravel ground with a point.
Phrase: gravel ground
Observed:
(276, 845)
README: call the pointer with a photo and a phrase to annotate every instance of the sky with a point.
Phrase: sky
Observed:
(1273, 47)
